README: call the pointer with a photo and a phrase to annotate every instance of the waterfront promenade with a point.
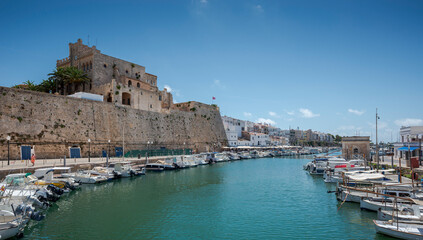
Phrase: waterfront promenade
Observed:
(26, 165)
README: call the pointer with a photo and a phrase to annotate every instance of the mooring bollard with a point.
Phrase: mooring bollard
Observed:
(64, 161)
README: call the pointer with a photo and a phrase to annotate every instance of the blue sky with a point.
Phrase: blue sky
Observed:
(324, 65)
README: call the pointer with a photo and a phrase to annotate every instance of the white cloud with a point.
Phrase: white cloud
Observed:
(272, 114)
(203, 1)
(264, 120)
(306, 113)
(217, 83)
(290, 113)
(409, 122)
(247, 114)
(168, 88)
(258, 8)
(175, 92)
(356, 112)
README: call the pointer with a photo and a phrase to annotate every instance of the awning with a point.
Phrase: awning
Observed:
(406, 148)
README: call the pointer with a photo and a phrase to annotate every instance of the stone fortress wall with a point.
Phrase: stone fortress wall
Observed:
(53, 123)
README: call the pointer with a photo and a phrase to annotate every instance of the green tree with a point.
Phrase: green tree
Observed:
(47, 86)
(28, 85)
(61, 77)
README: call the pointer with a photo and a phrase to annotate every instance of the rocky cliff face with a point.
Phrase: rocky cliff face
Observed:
(55, 123)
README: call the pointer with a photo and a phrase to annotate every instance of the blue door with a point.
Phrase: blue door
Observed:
(104, 153)
(119, 151)
(25, 152)
(75, 152)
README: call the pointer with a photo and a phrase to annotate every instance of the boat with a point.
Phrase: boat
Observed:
(54, 176)
(156, 167)
(103, 171)
(399, 230)
(85, 177)
(412, 213)
(376, 203)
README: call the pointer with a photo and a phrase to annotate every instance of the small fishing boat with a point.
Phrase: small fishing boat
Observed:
(413, 213)
(399, 229)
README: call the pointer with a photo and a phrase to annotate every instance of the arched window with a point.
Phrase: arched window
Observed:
(138, 85)
(83, 67)
(91, 65)
(355, 150)
(129, 83)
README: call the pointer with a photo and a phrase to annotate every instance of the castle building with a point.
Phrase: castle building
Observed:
(120, 82)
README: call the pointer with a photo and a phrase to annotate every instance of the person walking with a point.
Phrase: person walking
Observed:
(33, 159)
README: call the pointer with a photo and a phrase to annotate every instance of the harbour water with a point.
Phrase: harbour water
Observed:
(268, 198)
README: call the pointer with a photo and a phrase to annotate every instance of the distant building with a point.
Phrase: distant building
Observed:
(356, 147)
(257, 139)
(410, 142)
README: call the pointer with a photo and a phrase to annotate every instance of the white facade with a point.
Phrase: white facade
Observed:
(259, 139)
(244, 143)
(410, 138)
(233, 124)
(232, 136)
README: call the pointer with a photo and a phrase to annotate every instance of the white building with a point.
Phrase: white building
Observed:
(410, 142)
(259, 139)
(232, 136)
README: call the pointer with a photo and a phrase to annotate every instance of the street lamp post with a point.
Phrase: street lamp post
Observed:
(183, 152)
(148, 149)
(89, 150)
(8, 150)
(108, 153)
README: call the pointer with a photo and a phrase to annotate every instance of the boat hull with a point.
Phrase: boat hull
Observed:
(395, 233)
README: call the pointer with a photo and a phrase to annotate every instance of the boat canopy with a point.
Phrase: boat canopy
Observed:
(406, 148)
(366, 176)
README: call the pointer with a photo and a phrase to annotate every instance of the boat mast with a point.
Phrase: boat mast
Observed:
(377, 145)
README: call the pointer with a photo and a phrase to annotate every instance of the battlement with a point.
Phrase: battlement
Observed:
(192, 106)
(82, 49)
(63, 61)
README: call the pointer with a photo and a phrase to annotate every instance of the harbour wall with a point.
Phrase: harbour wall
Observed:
(51, 124)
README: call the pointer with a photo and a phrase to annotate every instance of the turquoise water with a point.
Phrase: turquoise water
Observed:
(252, 199)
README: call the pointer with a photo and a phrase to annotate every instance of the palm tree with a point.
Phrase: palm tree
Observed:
(28, 85)
(66, 76)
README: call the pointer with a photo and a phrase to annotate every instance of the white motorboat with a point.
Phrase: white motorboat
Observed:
(85, 177)
(157, 167)
(103, 171)
(399, 229)
(200, 159)
(54, 176)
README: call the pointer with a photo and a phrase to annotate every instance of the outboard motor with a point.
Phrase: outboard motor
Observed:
(37, 216)
(39, 202)
(20, 209)
(47, 195)
(55, 189)
(69, 186)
